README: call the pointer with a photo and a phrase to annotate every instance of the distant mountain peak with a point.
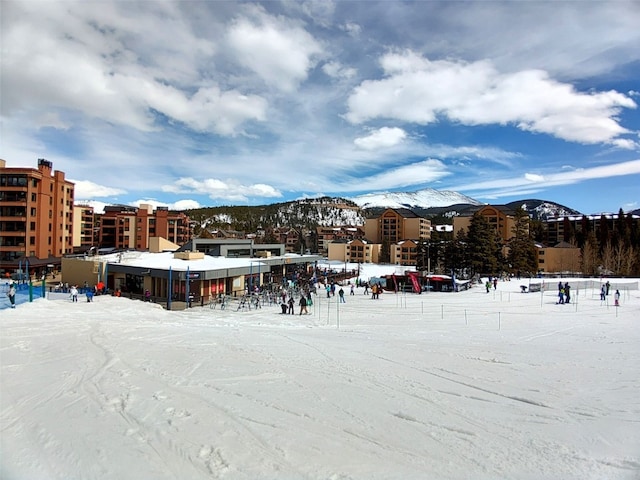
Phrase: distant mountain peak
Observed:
(425, 198)
(543, 209)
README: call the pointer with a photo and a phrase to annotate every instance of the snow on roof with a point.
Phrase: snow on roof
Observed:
(166, 260)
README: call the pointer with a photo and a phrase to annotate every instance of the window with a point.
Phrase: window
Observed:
(32, 240)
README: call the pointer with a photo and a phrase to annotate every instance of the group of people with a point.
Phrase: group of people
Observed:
(604, 293)
(288, 306)
(490, 282)
(564, 293)
(73, 293)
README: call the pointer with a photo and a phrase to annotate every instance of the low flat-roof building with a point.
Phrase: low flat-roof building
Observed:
(183, 275)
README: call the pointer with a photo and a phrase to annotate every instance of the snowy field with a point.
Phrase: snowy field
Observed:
(469, 385)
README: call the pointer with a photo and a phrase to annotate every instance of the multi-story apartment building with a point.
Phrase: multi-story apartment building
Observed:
(396, 224)
(405, 252)
(36, 215)
(563, 229)
(126, 227)
(83, 228)
(326, 235)
(501, 217)
(354, 251)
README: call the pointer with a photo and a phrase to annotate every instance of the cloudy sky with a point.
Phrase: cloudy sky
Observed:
(194, 103)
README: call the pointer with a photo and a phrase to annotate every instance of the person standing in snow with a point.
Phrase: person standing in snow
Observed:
(341, 295)
(616, 298)
(567, 293)
(352, 289)
(602, 293)
(561, 295)
(303, 305)
(291, 304)
(12, 295)
(89, 294)
(73, 292)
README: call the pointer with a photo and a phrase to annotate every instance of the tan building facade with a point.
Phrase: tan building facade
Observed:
(498, 216)
(354, 251)
(563, 257)
(405, 253)
(83, 227)
(36, 213)
(396, 224)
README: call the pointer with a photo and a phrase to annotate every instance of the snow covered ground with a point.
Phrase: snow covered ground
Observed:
(465, 385)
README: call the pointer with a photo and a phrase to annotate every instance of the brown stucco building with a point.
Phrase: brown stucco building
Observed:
(130, 228)
(36, 216)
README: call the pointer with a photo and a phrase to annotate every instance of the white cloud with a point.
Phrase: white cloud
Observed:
(337, 70)
(101, 63)
(219, 190)
(87, 189)
(353, 29)
(418, 173)
(533, 177)
(506, 185)
(384, 137)
(418, 90)
(278, 50)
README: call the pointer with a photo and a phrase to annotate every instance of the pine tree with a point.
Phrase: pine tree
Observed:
(482, 248)
(522, 256)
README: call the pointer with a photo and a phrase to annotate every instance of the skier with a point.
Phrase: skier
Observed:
(567, 293)
(341, 294)
(616, 298)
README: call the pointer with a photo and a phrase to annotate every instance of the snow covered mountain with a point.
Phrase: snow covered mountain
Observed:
(543, 209)
(426, 198)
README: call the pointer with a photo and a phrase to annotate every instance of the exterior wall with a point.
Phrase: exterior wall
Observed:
(371, 229)
(355, 251)
(327, 235)
(417, 228)
(76, 271)
(83, 226)
(556, 260)
(125, 227)
(337, 251)
(499, 220)
(159, 244)
(391, 225)
(359, 251)
(405, 253)
(36, 212)
(555, 227)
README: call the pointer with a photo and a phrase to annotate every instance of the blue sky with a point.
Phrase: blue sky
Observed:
(190, 104)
